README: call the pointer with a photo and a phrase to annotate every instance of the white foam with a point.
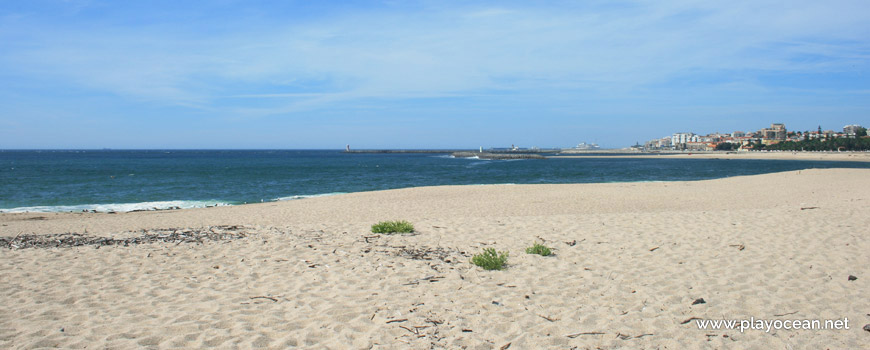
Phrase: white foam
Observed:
(116, 207)
(291, 198)
(450, 156)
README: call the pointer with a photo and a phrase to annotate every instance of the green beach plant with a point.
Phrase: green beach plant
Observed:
(398, 226)
(490, 259)
(539, 249)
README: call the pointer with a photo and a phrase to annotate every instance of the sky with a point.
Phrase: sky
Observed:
(423, 74)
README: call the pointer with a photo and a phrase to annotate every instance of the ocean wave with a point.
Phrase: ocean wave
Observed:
(450, 156)
(291, 198)
(117, 207)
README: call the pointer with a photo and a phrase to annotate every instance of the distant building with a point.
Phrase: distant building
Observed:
(665, 142)
(776, 132)
(681, 138)
(662, 143)
(738, 134)
(700, 146)
(851, 130)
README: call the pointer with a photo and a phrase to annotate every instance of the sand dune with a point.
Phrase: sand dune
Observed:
(630, 259)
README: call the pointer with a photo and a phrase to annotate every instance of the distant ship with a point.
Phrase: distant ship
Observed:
(587, 146)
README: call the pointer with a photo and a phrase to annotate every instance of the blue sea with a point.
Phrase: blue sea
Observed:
(126, 180)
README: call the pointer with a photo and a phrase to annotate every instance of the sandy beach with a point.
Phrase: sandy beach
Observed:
(784, 155)
(631, 262)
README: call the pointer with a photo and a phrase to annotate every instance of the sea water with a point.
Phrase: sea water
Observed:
(127, 180)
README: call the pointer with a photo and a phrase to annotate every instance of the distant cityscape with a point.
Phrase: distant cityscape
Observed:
(739, 140)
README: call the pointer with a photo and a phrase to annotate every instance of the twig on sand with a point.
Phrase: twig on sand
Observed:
(575, 335)
(427, 278)
(548, 318)
(265, 297)
(397, 320)
(629, 336)
(690, 320)
(807, 208)
(410, 330)
(505, 347)
(654, 249)
(786, 314)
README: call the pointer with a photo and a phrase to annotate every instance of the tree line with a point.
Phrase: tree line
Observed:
(834, 144)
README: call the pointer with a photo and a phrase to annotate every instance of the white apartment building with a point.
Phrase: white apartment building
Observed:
(683, 137)
(851, 129)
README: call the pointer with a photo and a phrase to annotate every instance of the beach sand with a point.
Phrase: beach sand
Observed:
(630, 260)
(784, 155)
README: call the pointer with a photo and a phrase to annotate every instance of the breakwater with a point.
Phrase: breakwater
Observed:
(411, 151)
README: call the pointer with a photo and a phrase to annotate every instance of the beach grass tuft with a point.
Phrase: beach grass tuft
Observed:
(398, 226)
(539, 249)
(490, 259)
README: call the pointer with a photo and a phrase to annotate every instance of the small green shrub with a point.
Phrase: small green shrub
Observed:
(400, 226)
(490, 260)
(539, 249)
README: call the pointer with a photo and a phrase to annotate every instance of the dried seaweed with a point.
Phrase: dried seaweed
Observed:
(177, 236)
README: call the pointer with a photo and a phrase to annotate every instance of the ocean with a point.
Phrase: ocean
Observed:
(127, 180)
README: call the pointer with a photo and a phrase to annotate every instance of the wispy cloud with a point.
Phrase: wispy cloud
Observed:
(448, 51)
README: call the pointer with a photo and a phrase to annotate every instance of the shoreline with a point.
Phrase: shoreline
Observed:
(407, 193)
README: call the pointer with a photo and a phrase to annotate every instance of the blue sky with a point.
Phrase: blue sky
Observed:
(423, 74)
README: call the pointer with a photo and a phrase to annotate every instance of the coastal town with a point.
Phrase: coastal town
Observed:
(744, 141)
